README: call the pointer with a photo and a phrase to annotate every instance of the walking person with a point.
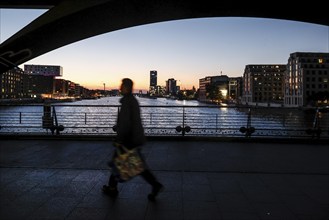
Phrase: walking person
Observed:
(130, 134)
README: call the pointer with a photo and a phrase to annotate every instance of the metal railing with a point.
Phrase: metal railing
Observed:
(210, 121)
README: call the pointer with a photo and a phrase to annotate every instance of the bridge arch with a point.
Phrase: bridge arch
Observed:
(67, 22)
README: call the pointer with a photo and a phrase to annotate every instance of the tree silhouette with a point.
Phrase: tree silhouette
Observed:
(213, 93)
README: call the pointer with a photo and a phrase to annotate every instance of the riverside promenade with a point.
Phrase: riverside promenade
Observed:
(62, 179)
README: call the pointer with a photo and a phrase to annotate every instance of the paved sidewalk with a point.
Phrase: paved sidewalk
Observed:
(62, 179)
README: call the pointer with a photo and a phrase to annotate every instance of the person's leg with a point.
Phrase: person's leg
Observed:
(156, 186)
(149, 177)
(111, 189)
(112, 182)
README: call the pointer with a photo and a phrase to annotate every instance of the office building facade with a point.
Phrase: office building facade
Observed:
(221, 82)
(307, 75)
(44, 70)
(12, 84)
(263, 83)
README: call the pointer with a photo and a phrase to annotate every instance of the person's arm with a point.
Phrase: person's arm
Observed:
(124, 123)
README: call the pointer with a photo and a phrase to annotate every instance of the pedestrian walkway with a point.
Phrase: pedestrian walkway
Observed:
(62, 179)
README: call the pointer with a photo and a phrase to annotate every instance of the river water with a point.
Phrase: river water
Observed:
(160, 116)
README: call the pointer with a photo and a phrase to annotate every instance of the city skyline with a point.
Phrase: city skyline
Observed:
(186, 50)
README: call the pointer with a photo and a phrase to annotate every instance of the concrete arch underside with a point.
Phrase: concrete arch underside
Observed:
(69, 21)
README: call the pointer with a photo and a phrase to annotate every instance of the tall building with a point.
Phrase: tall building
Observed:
(16, 84)
(263, 83)
(12, 84)
(45, 70)
(153, 82)
(153, 78)
(41, 79)
(171, 86)
(307, 75)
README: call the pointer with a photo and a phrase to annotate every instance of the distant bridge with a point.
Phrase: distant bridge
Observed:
(68, 21)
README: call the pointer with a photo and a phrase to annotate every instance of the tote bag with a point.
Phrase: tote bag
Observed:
(126, 164)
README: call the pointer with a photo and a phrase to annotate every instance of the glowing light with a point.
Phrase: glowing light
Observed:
(224, 92)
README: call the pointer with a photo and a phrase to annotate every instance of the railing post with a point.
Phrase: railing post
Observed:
(56, 127)
(20, 117)
(216, 122)
(183, 131)
(248, 130)
(47, 119)
(85, 118)
(315, 130)
(183, 128)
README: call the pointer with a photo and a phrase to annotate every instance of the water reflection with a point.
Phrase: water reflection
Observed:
(163, 115)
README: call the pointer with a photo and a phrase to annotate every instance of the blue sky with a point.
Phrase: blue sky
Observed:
(186, 50)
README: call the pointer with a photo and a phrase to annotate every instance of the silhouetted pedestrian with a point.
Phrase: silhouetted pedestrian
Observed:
(130, 133)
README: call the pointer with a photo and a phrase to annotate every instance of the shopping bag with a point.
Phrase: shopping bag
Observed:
(126, 163)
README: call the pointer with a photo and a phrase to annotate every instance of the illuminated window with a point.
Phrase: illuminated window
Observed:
(320, 60)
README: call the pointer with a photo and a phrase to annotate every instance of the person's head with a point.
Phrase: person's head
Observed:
(126, 86)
